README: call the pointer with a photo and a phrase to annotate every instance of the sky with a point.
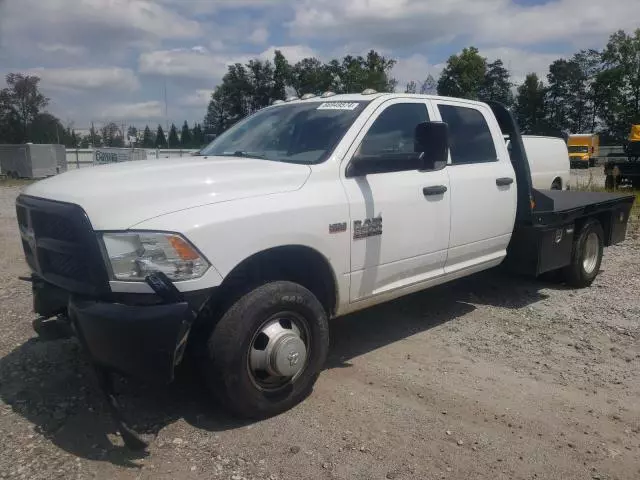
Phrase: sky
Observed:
(111, 60)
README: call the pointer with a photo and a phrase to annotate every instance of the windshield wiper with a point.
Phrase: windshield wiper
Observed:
(240, 153)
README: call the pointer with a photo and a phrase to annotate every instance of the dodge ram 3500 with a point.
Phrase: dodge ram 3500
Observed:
(306, 210)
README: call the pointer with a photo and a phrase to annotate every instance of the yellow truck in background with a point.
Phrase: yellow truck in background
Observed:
(584, 149)
(633, 145)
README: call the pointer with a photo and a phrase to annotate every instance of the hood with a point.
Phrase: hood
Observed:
(119, 196)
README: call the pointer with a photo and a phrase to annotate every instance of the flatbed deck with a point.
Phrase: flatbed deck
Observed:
(554, 207)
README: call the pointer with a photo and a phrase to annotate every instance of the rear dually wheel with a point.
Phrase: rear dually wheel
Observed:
(586, 256)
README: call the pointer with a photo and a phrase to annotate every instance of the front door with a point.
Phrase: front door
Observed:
(399, 220)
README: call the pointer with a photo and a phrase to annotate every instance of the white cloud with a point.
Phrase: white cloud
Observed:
(293, 53)
(414, 68)
(133, 111)
(199, 99)
(520, 62)
(113, 78)
(100, 24)
(199, 63)
(198, 7)
(259, 36)
(186, 63)
(406, 23)
(74, 50)
(583, 21)
(389, 23)
(217, 45)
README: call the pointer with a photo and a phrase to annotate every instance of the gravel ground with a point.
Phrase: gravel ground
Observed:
(490, 377)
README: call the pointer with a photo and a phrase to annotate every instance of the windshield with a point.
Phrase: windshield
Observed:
(297, 133)
(578, 149)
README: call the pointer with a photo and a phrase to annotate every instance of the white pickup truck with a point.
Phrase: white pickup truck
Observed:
(306, 210)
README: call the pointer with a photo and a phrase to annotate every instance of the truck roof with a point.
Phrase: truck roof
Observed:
(360, 97)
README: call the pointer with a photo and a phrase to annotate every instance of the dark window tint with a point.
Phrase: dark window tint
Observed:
(393, 130)
(469, 135)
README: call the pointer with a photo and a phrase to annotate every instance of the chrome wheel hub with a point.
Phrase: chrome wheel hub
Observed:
(278, 353)
(591, 250)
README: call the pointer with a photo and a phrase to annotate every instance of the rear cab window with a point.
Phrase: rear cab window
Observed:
(470, 137)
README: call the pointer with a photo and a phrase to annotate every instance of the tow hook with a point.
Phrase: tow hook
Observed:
(167, 291)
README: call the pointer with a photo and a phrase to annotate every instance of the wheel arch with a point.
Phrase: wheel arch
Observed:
(297, 263)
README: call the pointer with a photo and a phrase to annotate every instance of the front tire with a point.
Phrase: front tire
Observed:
(586, 256)
(267, 351)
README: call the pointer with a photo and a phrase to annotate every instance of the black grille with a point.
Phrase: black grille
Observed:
(49, 225)
(60, 245)
(68, 266)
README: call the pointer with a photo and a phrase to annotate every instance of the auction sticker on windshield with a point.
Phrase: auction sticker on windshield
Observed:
(338, 106)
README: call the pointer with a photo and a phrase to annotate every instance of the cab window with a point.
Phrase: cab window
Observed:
(393, 130)
(470, 139)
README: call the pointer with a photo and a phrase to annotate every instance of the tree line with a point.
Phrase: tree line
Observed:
(23, 119)
(111, 135)
(247, 88)
(591, 91)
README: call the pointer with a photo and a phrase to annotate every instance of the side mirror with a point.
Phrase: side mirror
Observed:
(432, 139)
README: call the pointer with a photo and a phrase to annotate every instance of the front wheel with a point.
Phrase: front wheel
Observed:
(267, 350)
(586, 256)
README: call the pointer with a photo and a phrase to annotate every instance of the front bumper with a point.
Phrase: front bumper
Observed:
(142, 341)
(579, 162)
(146, 342)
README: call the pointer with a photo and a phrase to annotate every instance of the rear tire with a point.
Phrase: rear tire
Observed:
(557, 184)
(586, 256)
(243, 338)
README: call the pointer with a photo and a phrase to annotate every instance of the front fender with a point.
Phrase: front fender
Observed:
(230, 232)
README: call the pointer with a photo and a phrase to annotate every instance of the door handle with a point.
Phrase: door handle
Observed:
(501, 182)
(435, 190)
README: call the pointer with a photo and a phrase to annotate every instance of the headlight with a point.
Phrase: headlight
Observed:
(134, 255)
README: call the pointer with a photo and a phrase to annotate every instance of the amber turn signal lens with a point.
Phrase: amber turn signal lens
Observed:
(182, 248)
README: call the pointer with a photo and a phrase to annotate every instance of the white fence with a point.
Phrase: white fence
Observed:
(83, 157)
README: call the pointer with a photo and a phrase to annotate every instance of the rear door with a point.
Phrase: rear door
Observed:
(483, 187)
(399, 220)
